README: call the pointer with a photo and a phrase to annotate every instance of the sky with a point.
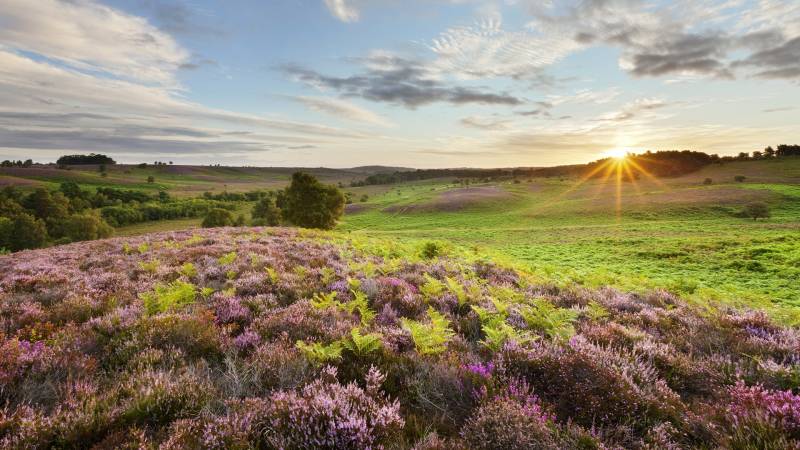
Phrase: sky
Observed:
(412, 83)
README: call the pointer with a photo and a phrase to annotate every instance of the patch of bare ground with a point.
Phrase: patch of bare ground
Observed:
(355, 208)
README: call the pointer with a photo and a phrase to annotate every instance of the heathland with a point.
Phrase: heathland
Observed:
(684, 234)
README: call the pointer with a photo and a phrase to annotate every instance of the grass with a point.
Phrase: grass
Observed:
(676, 234)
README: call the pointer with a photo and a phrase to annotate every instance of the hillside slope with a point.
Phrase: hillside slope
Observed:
(675, 233)
(275, 338)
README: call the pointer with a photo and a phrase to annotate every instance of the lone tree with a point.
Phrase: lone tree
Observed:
(311, 204)
(756, 210)
(218, 217)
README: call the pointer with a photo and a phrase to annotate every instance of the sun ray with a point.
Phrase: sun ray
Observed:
(631, 177)
(650, 176)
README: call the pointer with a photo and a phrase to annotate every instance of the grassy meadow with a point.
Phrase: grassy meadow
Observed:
(678, 234)
(673, 233)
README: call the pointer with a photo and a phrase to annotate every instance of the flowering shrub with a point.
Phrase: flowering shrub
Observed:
(220, 339)
(326, 414)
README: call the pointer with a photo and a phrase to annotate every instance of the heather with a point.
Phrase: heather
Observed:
(280, 338)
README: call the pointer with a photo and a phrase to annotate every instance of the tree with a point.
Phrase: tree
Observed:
(85, 227)
(71, 189)
(756, 210)
(47, 206)
(6, 231)
(311, 204)
(769, 152)
(27, 232)
(265, 212)
(218, 217)
(91, 158)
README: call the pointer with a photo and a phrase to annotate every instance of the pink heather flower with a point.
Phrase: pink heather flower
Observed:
(482, 369)
(754, 402)
(247, 340)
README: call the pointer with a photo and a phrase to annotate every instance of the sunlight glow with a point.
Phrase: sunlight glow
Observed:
(617, 153)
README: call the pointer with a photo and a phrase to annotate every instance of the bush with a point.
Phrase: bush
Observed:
(151, 179)
(311, 204)
(85, 227)
(739, 178)
(507, 423)
(431, 250)
(6, 232)
(265, 211)
(708, 181)
(27, 232)
(756, 210)
(328, 415)
(218, 217)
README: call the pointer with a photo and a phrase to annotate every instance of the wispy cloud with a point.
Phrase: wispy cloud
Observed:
(341, 109)
(93, 38)
(344, 10)
(393, 79)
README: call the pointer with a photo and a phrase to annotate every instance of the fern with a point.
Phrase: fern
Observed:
(188, 270)
(327, 275)
(498, 333)
(457, 289)
(429, 339)
(272, 275)
(432, 287)
(363, 344)
(506, 295)
(301, 272)
(354, 284)
(390, 266)
(150, 266)
(227, 259)
(361, 305)
(143, 248)
(324, 301)
(319, 353)
(493, 317)
(206, 292)
(169, 297)
(543, 316)
(596, 312)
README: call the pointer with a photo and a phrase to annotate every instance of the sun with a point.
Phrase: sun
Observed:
(617, 153)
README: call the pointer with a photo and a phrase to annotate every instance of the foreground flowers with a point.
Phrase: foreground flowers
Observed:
(270, 338)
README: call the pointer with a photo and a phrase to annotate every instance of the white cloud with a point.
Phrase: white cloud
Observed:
(341, 109)
(91, 37)
(487, 50)
(343, 10)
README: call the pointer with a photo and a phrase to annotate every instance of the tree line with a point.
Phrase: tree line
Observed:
(45, 217)
(665, 163)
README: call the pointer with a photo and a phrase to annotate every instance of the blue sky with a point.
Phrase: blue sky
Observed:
(419, 83)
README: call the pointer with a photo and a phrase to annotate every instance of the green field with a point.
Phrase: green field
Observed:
(678, 234)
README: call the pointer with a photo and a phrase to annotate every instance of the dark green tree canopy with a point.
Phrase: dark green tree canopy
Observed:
(266, 212)
(91, 158)
(311, 204)
(218, 217)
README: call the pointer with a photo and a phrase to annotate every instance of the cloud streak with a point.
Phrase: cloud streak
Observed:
(401, 81)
